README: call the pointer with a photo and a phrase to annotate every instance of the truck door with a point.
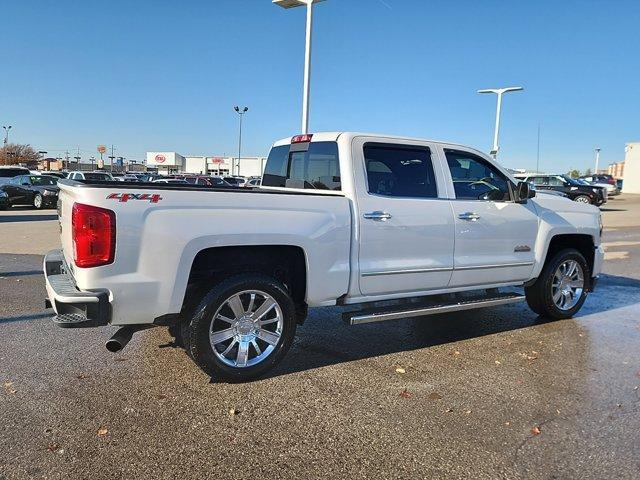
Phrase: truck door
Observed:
(495, 237)
(406, 228)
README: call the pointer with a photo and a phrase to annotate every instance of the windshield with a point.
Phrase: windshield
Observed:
(571, 181)
(43, 180)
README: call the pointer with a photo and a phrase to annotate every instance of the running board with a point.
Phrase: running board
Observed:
(359, 317)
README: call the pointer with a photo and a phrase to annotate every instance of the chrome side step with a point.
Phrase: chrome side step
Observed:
(359, 317)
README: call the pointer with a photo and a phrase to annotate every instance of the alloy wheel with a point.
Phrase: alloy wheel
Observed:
(246, 328)
(567, 285)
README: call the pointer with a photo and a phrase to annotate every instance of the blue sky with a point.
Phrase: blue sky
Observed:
(165, 75)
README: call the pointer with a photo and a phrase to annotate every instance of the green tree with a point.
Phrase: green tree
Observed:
(574, 173)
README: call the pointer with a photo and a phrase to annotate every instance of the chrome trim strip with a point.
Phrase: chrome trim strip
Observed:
(443, 269)
(419, 312)
(409, 270)
(503, 265)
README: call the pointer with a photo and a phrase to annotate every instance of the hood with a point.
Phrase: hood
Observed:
(563, 204)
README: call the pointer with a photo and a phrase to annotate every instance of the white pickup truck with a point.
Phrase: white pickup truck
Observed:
(340, 219)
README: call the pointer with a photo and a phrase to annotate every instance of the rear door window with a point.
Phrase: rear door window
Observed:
(313, 166)
(399, 170)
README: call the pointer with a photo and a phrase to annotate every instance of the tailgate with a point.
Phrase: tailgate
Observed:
(66, 199)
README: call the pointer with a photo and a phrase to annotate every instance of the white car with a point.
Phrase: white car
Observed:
(612, 189)
(92, 176)
(340, 219)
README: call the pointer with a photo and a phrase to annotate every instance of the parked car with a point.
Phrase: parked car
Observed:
(340, 219)
(150, 177)
(92, 176)
(54, 174)
(567, 185)
(234, 181)
(254, 182)
(600, 178)
(8, 172)
(4, 200)
(601, 181)
(41, 191)
(177, 181)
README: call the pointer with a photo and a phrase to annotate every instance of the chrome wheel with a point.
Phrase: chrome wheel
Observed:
(583, 199)
(567, 285)
(37, 201)
(246, 329)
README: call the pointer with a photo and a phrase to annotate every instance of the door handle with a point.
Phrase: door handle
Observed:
(378, 216)
(472, 217)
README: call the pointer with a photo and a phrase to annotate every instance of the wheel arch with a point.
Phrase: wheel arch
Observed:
(286, 263)
(582, 242)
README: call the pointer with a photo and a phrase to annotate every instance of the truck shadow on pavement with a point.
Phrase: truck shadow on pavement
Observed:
(325, 340)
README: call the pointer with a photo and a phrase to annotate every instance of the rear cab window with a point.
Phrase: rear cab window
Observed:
(304, 165)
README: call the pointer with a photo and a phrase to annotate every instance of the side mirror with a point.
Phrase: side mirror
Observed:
(524, 191)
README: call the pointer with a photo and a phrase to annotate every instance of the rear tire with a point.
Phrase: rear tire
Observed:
(242, 327)
(561, 289)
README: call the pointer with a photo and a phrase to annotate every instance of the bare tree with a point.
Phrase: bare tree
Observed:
(13, 153)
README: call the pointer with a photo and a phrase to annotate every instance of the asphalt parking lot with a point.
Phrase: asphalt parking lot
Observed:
(495, 393)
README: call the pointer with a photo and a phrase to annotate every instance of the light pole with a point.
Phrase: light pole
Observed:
(93, 160)
(597, 160)
(499, 92)
(241, 112)
(6, 134)
(307, 54)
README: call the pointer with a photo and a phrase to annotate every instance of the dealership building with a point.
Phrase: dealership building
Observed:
(170, 163)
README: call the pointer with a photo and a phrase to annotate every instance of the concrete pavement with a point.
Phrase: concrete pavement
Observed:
(494, 393)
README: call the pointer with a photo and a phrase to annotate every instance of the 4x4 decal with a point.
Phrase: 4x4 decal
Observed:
(125, 197)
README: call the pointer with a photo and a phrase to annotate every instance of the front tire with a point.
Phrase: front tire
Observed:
(242, 327)
(582, 199)
(38, 202)
(561, 289)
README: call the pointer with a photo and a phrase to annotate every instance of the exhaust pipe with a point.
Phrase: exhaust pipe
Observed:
(121, 338)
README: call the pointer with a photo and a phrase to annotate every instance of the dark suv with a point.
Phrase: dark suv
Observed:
(575, 190)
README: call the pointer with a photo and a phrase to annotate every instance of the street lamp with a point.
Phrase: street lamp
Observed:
(6, 134)
(307, 54)
(597, 160)
(241, 112)
(499, 92)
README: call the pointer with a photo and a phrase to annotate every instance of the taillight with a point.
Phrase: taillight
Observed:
(94, 235)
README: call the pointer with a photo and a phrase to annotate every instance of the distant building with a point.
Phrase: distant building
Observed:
(170, 163)
(616, 170)
(632, 168)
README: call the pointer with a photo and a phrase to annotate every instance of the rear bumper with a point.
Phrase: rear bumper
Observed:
(73, 307)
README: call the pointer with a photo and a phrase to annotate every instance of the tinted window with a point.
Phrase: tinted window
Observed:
(556, 182)
(316, 167)
(539, 180)
(476, 179)
(399, 170)
(43, 180)
(12, 172)
(100, 177)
